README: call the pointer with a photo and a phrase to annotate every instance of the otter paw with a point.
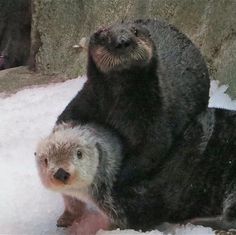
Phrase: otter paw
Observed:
(89, 224)
(65, 220)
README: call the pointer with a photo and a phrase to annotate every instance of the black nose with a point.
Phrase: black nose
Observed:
(123, 41)
(61, 175)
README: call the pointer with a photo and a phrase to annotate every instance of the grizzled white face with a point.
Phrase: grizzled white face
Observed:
(67, 160)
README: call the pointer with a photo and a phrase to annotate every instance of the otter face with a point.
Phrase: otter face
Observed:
(67, 160)
(121, 46)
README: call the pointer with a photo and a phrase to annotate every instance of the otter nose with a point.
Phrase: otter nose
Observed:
(123, 41)
(61, 175)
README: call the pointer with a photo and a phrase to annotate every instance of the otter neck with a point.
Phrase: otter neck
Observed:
(121, 83)
(134, 73)
(138, 87)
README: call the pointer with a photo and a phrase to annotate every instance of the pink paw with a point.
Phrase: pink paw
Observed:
(89, 224)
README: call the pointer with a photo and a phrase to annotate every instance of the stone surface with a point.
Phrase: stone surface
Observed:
(15, 79)
(59, 25)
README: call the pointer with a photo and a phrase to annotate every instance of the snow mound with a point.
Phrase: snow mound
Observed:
(26, 207)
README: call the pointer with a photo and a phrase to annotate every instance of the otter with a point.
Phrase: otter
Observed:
(147, 81)
(81, 162)
(197, 185)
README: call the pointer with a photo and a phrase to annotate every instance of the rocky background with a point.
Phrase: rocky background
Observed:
(59, 25)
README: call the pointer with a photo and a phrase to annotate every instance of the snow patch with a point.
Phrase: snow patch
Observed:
(218, 97)
(180, 230)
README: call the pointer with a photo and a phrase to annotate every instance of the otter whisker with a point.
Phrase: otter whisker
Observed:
(110, 61)
(104, 60)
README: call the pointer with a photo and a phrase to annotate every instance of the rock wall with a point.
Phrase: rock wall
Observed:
(58, 25)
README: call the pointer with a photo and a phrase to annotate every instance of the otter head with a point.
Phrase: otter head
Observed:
(68, 159)
(121, 47)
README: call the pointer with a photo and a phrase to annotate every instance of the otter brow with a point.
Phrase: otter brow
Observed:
(61, 149)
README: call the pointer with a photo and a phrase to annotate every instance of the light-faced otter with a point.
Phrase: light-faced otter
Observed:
(147, 81)
(81, 162)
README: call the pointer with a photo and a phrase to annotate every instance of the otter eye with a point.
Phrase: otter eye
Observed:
(79, 154)
(35, 154)
(135, 31)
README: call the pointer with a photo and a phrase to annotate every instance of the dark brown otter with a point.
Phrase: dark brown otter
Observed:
(147, 81)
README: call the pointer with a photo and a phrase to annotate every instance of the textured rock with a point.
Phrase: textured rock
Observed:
(59, 25)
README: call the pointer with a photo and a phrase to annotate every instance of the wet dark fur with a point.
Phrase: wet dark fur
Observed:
(180, 161)
(198, 182)
(147, 105)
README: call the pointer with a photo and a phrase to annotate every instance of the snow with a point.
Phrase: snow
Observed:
(26, 207)
(218, 97)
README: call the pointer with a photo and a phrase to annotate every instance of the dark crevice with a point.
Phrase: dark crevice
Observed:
(15, 29)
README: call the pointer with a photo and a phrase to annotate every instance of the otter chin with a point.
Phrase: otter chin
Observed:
(81, 162)
(121, 47)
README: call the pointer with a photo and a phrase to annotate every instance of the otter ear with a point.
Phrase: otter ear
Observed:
(142, 24)
(101, 151)
(99, 148)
